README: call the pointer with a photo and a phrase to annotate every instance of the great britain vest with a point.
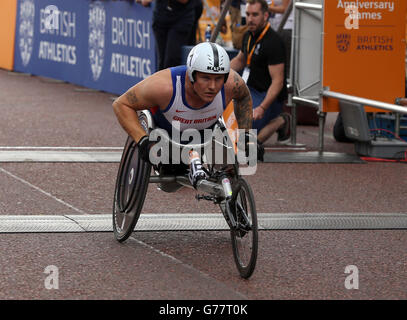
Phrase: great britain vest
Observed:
(179, 115)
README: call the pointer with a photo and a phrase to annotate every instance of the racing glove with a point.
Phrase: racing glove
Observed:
(144, 146)
(246, 142)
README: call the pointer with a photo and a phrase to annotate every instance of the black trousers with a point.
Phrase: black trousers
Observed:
(171, 36)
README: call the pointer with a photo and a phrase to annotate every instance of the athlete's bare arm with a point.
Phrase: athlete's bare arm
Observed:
(155, 90)
(237, 90)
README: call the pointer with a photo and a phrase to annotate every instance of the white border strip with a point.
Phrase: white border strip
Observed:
(58, 148)
(59, 156)
(203, 222)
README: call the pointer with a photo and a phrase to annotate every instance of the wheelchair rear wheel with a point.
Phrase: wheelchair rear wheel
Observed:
(131, 185)
(130, 192)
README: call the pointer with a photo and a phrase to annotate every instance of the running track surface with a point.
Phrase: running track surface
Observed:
(306, 264)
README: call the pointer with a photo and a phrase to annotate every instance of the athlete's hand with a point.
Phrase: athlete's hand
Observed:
(247, 142)
(260, 152)
(144, 146)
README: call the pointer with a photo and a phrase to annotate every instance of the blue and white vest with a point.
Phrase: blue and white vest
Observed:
(179, 115)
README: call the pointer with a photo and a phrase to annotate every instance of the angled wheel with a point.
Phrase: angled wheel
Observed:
(245, 235)
(131, 187)
(130, 192)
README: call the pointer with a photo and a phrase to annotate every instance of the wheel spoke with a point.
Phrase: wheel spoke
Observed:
(124, 220)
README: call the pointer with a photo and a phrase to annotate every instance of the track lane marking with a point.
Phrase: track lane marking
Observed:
(57, 148)
(160, 222)
(42, 191)
(185, 265)
(52, 156)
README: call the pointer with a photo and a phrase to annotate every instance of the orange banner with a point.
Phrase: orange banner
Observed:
(364, 50)
(8, 11)
(231, 123)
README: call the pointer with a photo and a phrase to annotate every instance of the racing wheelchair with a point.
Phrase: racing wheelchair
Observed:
(223, 185)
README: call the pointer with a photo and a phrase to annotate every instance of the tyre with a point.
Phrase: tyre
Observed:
(130, 192)
(245, 236)
(131, 188)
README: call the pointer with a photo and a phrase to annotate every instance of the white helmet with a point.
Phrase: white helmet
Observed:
(208, 57)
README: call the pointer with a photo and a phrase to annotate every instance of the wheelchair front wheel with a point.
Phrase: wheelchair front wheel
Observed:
(245, 235)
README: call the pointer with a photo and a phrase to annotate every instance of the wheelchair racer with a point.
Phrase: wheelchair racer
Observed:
(192, 96)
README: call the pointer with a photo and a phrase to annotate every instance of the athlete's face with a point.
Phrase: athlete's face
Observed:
(256, 19)
(208, 85)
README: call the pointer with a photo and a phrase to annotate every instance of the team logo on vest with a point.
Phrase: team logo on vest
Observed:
(97, 23)
(343, 41)
(26, 30)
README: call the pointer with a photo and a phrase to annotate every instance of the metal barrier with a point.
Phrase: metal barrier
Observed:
(365, 102)
(304, 89)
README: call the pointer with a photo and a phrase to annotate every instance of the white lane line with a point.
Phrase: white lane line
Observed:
(201, 273)
(51, 156)
(162, 222)
(58, 148)
(39, 224)
(42, 191)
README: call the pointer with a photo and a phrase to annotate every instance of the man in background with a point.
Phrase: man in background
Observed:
(262, 59)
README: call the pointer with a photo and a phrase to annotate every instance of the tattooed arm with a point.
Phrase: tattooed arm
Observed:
(237, 90)
(152, 91)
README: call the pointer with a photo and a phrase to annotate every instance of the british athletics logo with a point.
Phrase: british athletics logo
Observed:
(343, 42)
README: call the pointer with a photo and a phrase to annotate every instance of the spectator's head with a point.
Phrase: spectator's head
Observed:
(256, 15)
